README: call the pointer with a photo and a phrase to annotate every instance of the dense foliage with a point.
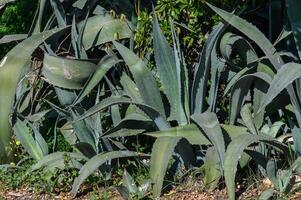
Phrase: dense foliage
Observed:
(90, 92)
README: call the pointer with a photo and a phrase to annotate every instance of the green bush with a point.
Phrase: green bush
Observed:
(16, 19)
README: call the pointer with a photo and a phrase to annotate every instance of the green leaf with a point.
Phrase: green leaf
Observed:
(233, 154)
(143, 77)
(267, 194)
(210, 125)
(94, 163)
(54, 157)
(67, 73)
(240, 90)
(3, 2)
(230, 42)
(212, 168)
(59, 12)
(169, 73)
(259, 38)
(132, 124)
(235, 78)
(12, 38)
(200, 81)
(12, 68)
(83, 130)
(190, 132)
(103, 66)
(246, 116)
(102, 29)
(217, 66)
(36, 25)
(251, 32)
(151, 112)
(129, 183)
(28, 142)
(159, 161)
(285, 76)
(130, 88)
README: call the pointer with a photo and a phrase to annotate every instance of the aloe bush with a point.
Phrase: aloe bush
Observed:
(78, 69)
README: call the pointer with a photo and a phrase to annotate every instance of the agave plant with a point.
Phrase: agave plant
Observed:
(77, 71)
(181, 120)
(21, 71)
(267, 84)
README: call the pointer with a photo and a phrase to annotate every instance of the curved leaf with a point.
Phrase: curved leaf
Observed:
(51, 158)
(12, 68)
(241, 89)
(104, 28)
(167, 69)
(151, 112)
(67, 73)
(94, 163)
(233, 154)
(231, 41)
(143, 77)
(212, 168)
(102, 67)
(285, 76)
(28, 142)
(12, 38)
(190, 132)
(199, 85)
(209, 123)
(253, 33)
(159, 161)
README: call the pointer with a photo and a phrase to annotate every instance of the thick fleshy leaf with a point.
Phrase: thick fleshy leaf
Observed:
(253, 33)
(284, 77)
(102, 29)
(3, 2)
(12, 38)
(210, 125)
(132, 124)
(102, 67)
(86, 149)
(169, 73)
(143, 77)
(241, 89)
(267, 194)
(28, 142)
(159, 161)
(52, 158)
(129, 183)
(130, 88)
(59, 12)
(12, 68)
(67, 73)
(190, 132)
(94, 163)
(36, 25)
(151, 112)
(247, 118)
(235, 78)
(84, 131)
(200, 81)
(231, 42)
(212, 168)
(233, 154)
(266, 46)
(217, 66)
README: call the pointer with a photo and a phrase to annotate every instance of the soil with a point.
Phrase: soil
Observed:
(193, 191)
